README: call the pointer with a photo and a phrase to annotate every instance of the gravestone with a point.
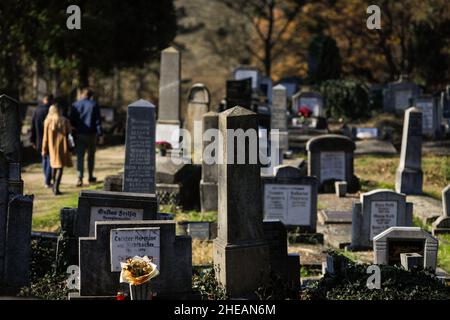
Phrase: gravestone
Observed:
(311, 100)
(15, 208)
(112, 206)
(377, 211)
(240, 251)
(286, 266)
(168, 125)
(279, 115)
(208, 183)
(445, 103)
(442, 224)
(198, 104)
(115, 241)
(291, 199)
(428, 106)
(330, 159)
(139, 175)
(239, 93)
(245, 72)
(409, 176)
(265, 86)
(398, 95)
(391, 243)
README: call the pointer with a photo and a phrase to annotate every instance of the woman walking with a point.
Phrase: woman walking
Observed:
(55, 143)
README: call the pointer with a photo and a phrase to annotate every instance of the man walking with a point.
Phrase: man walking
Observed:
(37, 133)
(85, 119)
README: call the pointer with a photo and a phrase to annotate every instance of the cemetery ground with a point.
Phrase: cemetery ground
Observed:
(374, 172)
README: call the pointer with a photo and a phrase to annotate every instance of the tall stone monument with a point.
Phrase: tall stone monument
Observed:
(208, 183)
(139, 175)
(199, 100)
(241, 255)
(279, 116)
(168, 126)
(15, 208)
(409, 176)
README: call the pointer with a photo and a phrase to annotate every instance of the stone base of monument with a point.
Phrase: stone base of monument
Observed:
(241, 268)
(409, 181)
(208, 196)
(441, 225)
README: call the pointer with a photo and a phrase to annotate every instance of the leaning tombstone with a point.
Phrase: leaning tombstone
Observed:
(240, 252)
(377, 211)
(442, 224)
(168, 125)
(292, 198)
(115, 241)
(330, 159)
(198, 104)
(15, 208)
(391, 243)
(409, 175)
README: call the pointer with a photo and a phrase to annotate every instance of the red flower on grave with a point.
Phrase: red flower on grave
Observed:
(304, 111)
(163, 145)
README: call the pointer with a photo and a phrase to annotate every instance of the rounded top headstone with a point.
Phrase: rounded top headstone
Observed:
(330, 142)
(287, 171)
(199, 93)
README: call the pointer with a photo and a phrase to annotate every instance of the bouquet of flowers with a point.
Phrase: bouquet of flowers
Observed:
(163, 146)
(138, 270)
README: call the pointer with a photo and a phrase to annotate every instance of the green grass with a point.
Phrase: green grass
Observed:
(308, 272)
(419, 223)
(51, 220)
(444, 252)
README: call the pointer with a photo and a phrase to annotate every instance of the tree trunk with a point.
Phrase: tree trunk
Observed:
(268, 41)
(83, 75)
(57, 83)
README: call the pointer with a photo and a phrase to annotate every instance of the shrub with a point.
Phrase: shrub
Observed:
(345, 98)
(205, 282)
(396, 284)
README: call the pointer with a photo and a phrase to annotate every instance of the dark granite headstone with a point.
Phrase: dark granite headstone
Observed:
(239, 93)
(175, 260)
(330, 159)
(111, 206)
(139, 176)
